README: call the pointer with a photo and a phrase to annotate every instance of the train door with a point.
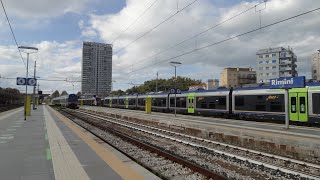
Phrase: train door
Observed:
(298, 104)
(191, 103)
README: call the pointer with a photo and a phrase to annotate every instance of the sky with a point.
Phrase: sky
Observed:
(147, 34)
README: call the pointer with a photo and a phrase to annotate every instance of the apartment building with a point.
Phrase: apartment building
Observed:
(96, 71)
(275, 63)
(237, 77)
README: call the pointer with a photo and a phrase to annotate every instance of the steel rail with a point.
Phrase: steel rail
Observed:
(152, 148)
(269, 165)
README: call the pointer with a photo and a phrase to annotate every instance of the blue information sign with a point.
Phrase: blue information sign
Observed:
(288, 82)
(175, 91)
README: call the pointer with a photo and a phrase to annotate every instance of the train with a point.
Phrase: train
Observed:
(260, 103)
(92, 101)
(69, 101)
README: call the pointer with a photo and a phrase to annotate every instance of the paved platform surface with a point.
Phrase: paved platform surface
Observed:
(47, 147)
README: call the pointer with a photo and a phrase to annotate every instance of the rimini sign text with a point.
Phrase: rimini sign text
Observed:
(289, 82)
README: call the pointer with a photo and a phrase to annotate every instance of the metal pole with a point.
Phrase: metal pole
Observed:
(286, 102)
(175, 93)
(38, 94)
(34, 87)
(25, 103)
(157, 83)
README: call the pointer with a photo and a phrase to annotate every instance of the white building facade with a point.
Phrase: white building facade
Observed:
(315, 66)
(275, 63)
(96, 71)
(212, 84)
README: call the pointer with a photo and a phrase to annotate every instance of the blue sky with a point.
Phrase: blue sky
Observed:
(58, 28)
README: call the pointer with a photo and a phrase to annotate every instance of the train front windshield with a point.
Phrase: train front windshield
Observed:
(73, 98)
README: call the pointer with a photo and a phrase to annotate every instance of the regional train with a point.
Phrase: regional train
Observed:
(68, 101)
(261, 103)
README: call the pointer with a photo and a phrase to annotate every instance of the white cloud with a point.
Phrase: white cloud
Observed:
(300, 33)
(55, 61)
(43, 8)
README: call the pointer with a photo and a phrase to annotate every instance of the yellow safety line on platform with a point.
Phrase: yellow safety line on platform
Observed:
(66, 165)
(115, 163)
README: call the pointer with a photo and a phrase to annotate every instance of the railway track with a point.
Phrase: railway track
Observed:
(167, 166)
(278, 163)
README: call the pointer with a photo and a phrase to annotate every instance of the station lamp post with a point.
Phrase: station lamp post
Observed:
(175, 64)
(27, 72)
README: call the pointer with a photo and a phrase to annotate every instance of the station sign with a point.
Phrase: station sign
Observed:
(24, 81)
(175, 91)
(288, 82)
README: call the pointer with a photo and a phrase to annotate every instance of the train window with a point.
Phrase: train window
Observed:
(114, 101)
(141, 102)
(172, 102)
(211, 102)
(181, 102)
(316, 103)
(106, 101)
(260, 103)
(239, 101)
(121, 102)
(302, 104)
(293, 105)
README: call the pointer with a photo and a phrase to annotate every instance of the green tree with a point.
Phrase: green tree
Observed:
(55, 94)
(118, 92)
(64, 93)
(165, 85)
(79, 94)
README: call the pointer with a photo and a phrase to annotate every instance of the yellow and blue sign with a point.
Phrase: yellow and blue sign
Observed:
(288, 82)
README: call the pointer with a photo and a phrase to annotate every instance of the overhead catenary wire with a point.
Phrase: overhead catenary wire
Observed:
(14, 37)
(155, 27)
(222, 41)
(144, 12)
(198, 34)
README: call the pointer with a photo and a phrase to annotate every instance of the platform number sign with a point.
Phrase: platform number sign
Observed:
(21, 81)
(30, 82)
(175, 91)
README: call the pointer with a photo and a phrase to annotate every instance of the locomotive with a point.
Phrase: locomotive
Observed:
(68, 101)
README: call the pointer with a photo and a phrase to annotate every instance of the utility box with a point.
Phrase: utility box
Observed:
(148, 104)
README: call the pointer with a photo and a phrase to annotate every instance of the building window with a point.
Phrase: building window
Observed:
(260, 56)
(283, 54)
(267, 74)
(274, 73)
(274, 67)
(267, 68)
(267, 55)
(314, 71)
(274, 61)
(267, 62)
(261, 74)
(260, 62)
(260, 68)
(274, 55)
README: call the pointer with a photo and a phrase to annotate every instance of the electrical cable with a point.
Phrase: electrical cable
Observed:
(198, 34)
(147, 32)
(225, 40)
(133, 22)
(14, 37)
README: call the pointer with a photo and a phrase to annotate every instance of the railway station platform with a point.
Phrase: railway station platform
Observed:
(300, 142)
(49, 146)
